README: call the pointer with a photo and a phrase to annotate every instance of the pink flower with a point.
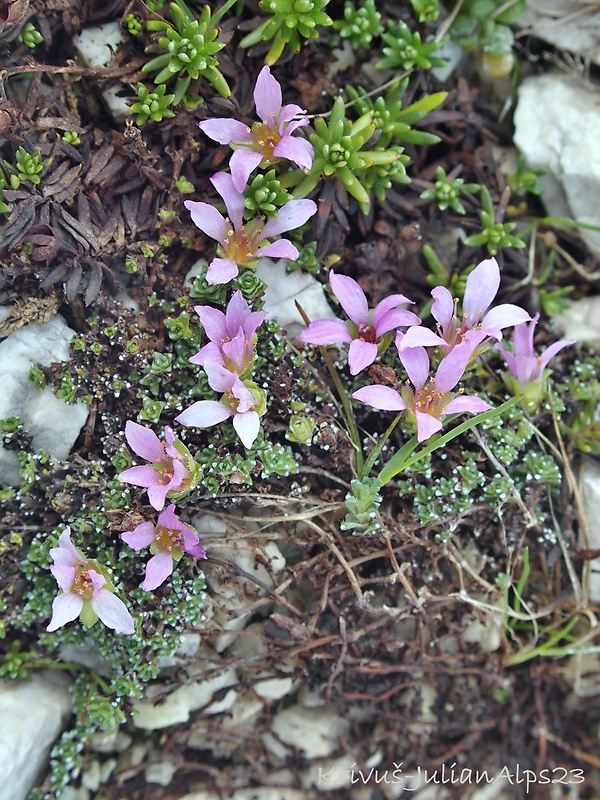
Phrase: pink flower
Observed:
(86, 591)
(239, 243)
(527, 371)
(169, 539)
(432, 397)
(173, 472)
(232, 335)
(475, 325)
(365, 329)
(266, 141)
(245, 402)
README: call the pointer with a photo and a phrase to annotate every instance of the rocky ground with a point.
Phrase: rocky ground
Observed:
(452, 651)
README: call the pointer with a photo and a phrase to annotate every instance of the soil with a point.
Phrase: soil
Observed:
(365, 621)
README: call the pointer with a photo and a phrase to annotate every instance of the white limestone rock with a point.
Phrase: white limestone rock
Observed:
(589, 481)
(255, 793)
(95, 47)
(53, 424)
(32, 715)
(284, 289)
(581, 320)
(556, 123)
(569, 25)
(315, 731)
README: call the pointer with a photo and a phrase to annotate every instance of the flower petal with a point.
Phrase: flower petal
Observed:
(65, 608)
(481, 288)
(295, 149)
(225, 130)
(221, 270)
(325, 332)
(464, 403)
(351, 297)
(282, 248)
(416, 362)
(241, 164)
(361, 355)
(551, 351)
(112, 612)
(157, 495)
(142, 475)
(66, 554)
(427, 425)
(419, 336)
(234, 201)
(452, 368)
(267, 95)
(291, 215)
(247, 426)
(141, 537)
(523, 337)
(382, 397)
(213, 322)
(158, 570)
(144, 442)
(442, 309)
(204, 414)
(208, 219)
(501, 317)
(394, 318)
(65, 576)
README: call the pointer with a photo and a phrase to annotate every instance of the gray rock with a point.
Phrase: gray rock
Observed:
(53, 424)
(32, 715)
(556, 123)
(589, 481)
(570, 25)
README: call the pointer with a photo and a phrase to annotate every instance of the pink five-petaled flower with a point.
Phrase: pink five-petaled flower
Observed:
(245, 402)
(366, 327)
(475, 325)
(232, 335)
(239, 243)
(169, 539)
(432, 397)
(526, 370)
(86, 592)
(172, 472)
(266, 141)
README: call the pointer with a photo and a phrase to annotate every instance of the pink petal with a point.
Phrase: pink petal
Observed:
(292, 215)
(192, 544)
(387, 304)
(382, 397)
(247, 426)
(139, 476)
(158, 570)
(241, 164)
(221, 270)
(210, 352)
(555, 348)
(325, 332)
(234, 201)
(351, 297)
(204, 414)
(282, 248)
(416, 362)
(112, 612)
(295, 149)
(226, 131)
(481, 288)
(236, 314)
(65, 608)
(394, 318)
(141, 537)
(157, 495)
(419, 336)
(452, 368)
(427, 425)
(168, 518)
(501, 317)
(463, 403)
(208, 219)
(523, 337)
(98, 580)
(287, 114)
(361, 355)
(220, 378)
(65, 576)
(267, 95)
(144, 442)
(442, 309)
(213, 322)
(66, 554)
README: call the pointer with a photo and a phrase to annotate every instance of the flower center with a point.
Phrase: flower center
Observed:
(167, 538)
(164, 470)
(367, 334)
(83, 584)
(240, 246)
(266, 138)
